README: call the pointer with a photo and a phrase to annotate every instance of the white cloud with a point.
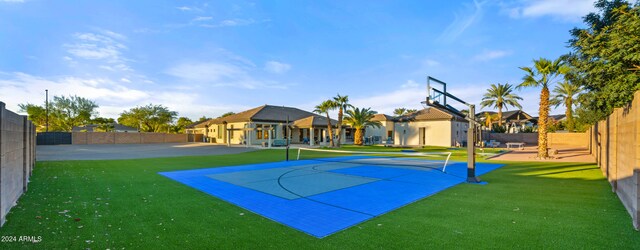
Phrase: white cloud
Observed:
(430, 63)
(16, 88)
(229, 23)
(570, 10)
(410, 84)
(125, 80)
(184, 8)
(202, 18)
(93, 46)
(111, 96)
(277, 67)
(489, 55)
(409, 96)
(463, 20)
(12, 1)
(220, 74)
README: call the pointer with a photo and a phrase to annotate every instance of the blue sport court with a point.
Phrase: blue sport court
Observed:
(323, 196)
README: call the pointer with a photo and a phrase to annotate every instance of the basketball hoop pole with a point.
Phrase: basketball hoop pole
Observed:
(471, 130)
(471, 146)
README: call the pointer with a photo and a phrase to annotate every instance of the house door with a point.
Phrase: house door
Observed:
(422, 136)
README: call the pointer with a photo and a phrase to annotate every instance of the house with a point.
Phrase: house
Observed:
(115, 127)
(194, 129)
(428, 127)
(558, 118)
(268, 124)
(514, 120)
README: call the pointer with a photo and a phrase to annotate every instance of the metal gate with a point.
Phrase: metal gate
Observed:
(53, 138)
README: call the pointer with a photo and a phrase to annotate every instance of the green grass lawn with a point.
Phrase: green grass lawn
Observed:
(126, 204)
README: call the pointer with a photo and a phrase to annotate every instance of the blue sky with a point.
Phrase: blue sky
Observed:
(209, 57)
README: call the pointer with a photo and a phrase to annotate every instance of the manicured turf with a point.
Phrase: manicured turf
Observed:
(126, 204)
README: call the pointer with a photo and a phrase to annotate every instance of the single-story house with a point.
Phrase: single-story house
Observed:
(268, 124)
(514, 120)
(427, 127)
(193, 128)
(115, 127)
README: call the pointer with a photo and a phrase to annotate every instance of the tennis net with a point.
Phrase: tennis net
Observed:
(431, 160)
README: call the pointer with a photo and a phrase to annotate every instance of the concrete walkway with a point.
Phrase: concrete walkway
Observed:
(131, 151)
(565, 154)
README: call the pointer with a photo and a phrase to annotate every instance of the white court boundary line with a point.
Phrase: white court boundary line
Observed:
(446, 162)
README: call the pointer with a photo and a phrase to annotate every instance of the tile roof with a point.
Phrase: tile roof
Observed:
(429, 114)
(382, 117)
(315, 121)
(265, 113)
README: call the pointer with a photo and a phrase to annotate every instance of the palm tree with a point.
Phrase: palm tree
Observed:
(324, 108)
(500, 96)
(342, 103)
(403, 111)
(542, 75)
(399, 111)
(360, 119)
(565, 94)
(488, 119)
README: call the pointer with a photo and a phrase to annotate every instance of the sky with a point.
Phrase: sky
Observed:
(206, 58)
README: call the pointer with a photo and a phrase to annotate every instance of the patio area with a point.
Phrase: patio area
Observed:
(564, 154)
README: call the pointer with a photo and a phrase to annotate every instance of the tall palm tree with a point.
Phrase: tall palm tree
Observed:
(360, 119)
(565, 93)
(324, 108)
(342, 103)
(500, 96)
(542, 74)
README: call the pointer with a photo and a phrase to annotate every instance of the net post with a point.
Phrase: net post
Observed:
(287, 153)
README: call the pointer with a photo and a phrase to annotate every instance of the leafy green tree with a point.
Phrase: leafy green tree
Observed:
(500, 96)
(360, 119)
(543, 74)
(64, 113)
(68, 112)
(203, 118)
(37, 115)
(565, 94)
(324, 108)
(180, 125)
(149, 118)
(342, 103)
(226, 114)
(607, 56)
(104, 124)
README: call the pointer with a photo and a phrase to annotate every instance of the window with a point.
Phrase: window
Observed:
(266, 132)
(259, 131)
(390, 134)
(220, 129)
(285, 133)
(231, 133)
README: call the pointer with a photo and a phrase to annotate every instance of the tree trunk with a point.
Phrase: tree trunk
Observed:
(357, 138)
(543, 123)
(499, 115)
(330, 129)
(339, 129)
(569, 114)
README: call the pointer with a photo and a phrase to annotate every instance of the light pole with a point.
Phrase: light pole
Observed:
(46, 103)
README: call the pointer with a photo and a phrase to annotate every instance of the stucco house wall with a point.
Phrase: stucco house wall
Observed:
(381, 131)
(437, 133)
